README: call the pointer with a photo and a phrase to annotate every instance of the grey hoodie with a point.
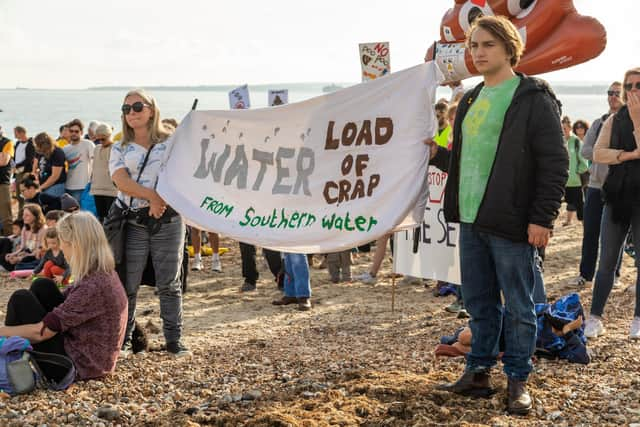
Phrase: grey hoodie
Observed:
(598, 171)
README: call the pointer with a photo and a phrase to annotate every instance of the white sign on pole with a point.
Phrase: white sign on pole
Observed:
(318, 176)
(278, 97)
(239, 98)
(375, 60)
(431, 250)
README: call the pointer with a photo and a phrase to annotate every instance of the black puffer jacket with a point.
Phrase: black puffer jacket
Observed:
(530, 170)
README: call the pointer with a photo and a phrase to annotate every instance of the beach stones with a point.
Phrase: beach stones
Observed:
(108, 413)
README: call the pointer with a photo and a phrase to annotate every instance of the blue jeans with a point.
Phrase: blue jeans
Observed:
(593, 206)
(56, 190)
(612, 240)
(489, 265)
(296, 276)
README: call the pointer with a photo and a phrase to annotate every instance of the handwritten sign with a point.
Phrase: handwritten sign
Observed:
(322, 175)
(431, 249)
(239, 98)
(278, 97)
(374, 60)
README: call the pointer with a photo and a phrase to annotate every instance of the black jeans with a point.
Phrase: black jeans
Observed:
(249, 270)
(575, 202)
(29, 306)
(103, 203)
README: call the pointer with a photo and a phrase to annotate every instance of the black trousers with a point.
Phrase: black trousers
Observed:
(103, 203)
(575, 201)
(249, 270)
(29, 306)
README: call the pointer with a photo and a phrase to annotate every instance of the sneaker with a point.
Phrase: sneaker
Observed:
(304, 304)
(463, 314)
(454, 307)
(579, 282)
(216, 265)
(367, 278)
(635, 329)
(248, 287)
(177, 349)
(197, 263)
(126, 350)
(593, 327)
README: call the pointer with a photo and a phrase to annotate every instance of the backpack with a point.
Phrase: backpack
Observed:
(22, 369)
(551, 342)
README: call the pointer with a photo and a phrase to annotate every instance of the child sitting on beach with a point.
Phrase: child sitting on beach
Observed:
(16, 234)
(53, 264)
(27, 254)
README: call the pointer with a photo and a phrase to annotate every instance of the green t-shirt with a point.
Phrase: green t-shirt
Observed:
(481, 129)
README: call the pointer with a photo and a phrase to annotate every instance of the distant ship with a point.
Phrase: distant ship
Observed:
(331, 88)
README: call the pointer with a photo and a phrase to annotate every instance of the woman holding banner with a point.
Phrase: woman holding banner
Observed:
(154, 230)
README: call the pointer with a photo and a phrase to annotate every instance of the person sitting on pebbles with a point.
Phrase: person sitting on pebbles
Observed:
(85, 322)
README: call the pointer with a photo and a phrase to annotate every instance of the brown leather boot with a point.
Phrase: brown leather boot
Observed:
(518, 399)
(470, 384)
(285, 301)
(304, 304)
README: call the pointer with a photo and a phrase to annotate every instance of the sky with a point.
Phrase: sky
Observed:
(82, 43)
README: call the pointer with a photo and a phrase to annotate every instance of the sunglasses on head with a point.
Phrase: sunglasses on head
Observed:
(629, 86)
(136, 106)
(613, 93)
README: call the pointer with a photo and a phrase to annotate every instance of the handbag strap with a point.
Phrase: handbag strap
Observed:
(144, 164)
(52, 359)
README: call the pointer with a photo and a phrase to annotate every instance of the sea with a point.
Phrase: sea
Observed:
(45, 109)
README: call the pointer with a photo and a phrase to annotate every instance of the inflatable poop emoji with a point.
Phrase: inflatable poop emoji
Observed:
(556, 36)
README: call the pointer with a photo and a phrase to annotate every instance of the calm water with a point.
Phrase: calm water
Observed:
(46, 110)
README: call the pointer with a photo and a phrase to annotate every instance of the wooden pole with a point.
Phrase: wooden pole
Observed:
(393, 293)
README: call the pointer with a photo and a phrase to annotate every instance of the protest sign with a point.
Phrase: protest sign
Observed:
(239, 98)
(322, 175)
(374, 60)
(278, 97)
(431, 250)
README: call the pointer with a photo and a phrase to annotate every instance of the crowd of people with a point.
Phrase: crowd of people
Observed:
(507, 177)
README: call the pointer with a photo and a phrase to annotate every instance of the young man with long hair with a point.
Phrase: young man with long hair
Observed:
(507, 171)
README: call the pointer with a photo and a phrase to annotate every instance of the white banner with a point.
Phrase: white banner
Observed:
(375, 60)
(431, 250)
(278, 97)
(239, 98)
(318, 176)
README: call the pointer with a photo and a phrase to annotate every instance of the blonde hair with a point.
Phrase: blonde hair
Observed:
(157, 130)
(503, 30)
(91, 250)
(631, 72)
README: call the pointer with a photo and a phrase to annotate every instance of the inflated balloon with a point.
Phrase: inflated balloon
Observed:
(556, 36)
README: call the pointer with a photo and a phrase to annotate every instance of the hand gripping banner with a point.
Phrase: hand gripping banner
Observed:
(318, 176)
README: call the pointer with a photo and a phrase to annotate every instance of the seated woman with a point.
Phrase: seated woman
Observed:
(87, 321)
(28, 253)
